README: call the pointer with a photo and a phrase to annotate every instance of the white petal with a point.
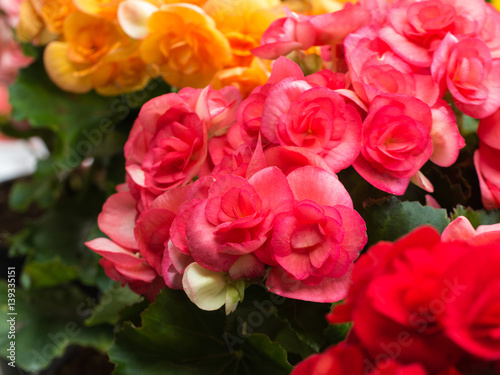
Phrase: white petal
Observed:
(133, 17)
(206, 289)
(234, 294)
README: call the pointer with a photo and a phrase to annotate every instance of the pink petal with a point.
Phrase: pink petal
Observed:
(354, 227)
(489, 130)
(284, 68)
(458, 229)
(272, 187)
(289, 158)
(117, 219)
(446, 138)
(326, 190)
(382, 181)
(113, 252)
(329, 290)
(407, 50)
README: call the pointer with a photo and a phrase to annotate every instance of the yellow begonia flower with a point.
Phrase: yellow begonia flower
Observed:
(87, 41)
(41, 21)
(244, 79)
(53, 13)
(185, 45)
(30, 23)
(243, 22)
(121, 71)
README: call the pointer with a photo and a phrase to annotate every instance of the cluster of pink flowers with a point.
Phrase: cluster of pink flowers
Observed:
(417, 51)
(425, 304)
(11, 56)
(221, 190)
(251, 213)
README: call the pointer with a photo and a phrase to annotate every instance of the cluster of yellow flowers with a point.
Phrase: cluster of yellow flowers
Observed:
(116, 46)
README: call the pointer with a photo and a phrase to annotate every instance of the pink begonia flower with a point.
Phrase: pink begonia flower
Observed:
(11, 55)
(236, 217)
(249, 114)
(315, 243)
(375, 69)
(286, 35)
(298, 114)
(315, 118)
(466, 69)
(416, 28)
(122, 260)
(461, 229)
(5, 107)
(11, 10)
(168, 144)
(487, 163)
(396, 142)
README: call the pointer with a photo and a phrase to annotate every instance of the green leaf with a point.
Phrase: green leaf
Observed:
(110, 305)
(178, 338)
(57, 239)
(84, 124)
(46, 323)
(24, 193)
(48, 273)
(307, 320)
(477, 218)
(390, 219)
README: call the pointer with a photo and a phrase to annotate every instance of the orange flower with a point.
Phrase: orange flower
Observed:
(30, 23)
(185, 45)
(121, 71)
(53, 13)
(244, 79)
(243, 22)
(88, 40)
(41, 21)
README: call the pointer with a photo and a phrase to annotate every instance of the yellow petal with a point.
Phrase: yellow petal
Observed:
(63, 73)
(101, 8)
(30, 24)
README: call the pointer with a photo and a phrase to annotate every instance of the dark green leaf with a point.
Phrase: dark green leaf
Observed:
(48, 273)
(178, 338)
(110, 305)
(390, 219)
(46, 323)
